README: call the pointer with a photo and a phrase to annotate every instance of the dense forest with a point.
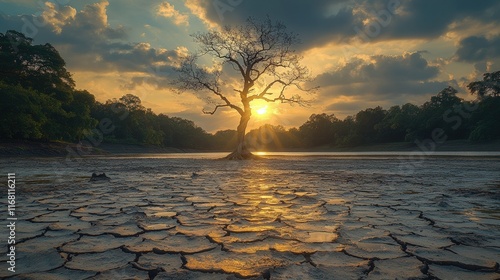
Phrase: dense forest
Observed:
(39, 102)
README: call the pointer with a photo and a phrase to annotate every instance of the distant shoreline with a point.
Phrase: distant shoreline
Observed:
(60, 149)
(448, 146)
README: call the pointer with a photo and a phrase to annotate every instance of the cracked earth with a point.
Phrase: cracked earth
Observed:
(281, 218)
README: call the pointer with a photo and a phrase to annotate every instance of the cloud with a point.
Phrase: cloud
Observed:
(65, 26)
(140, 57)
(114, 58)
(334, 21)
(88, 26)
(380, 80)
(346, 106)
(316, 22)
(427, 19)
(380, 68)
(57, 18)
(478, 48)
(88, 42)
(168, 10)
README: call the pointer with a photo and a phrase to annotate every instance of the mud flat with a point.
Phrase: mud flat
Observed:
(281, 218)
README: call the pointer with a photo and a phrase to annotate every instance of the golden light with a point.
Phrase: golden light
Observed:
(261, 111)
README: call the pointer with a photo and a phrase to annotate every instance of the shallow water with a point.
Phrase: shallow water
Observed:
(292, 216)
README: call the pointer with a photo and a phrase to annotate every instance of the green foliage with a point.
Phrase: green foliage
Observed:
(437, 113)
(38, 97)
(39, 67)
(366, 122)
(269, 137)
(134, 124)
(79, 120)
(398, 124)
(23, 114)
(486, 120)
(318, 130)
(459, 119)
(39, 102)
(224, 139)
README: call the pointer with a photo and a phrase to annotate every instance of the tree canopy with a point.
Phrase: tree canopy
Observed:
(39, 102)
(39, 67)
(46, 106)
(489, 86)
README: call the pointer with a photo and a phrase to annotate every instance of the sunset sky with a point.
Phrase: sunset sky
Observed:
(361, 53)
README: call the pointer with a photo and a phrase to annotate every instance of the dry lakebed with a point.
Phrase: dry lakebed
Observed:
(284, 217)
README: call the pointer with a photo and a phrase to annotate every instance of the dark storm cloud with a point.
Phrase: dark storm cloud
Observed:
(478, 48)
(89, 42)
(383, 77)
(389, 90)
(323, 21)
(406, 67)
(385, 94)
(429, 19)
(317, 22)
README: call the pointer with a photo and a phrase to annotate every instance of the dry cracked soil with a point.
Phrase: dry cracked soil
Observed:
(279, 218)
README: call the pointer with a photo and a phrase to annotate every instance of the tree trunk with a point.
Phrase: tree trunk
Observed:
(241, 151)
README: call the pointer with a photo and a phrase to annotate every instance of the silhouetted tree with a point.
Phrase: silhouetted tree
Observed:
(318, 130)
(269, 137)
(132, 102)
(489, 86)
(262, 55)
(38, 100)
(225, 139)
(392, 128)
(366, 122)
(433, 114)
(79, 119)
(485, 120)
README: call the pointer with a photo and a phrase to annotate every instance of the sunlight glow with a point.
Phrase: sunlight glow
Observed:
(261, 111)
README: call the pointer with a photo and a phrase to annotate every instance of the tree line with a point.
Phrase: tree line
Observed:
(452, 116)
(39, 102)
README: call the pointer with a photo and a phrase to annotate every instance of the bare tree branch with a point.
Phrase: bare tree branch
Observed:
(257, 51)
(215, 109)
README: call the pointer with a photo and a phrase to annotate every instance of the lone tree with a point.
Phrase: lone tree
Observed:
(261, 57)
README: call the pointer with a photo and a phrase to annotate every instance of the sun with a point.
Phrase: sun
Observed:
(261, 111)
